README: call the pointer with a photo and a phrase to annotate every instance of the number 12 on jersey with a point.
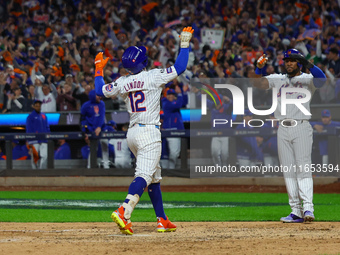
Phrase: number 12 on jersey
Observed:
(137, 98)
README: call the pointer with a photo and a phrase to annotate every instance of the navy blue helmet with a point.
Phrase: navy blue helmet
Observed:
(287, 53)
(134, 59)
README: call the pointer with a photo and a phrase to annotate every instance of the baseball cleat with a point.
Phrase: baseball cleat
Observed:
(292, 218)
(123, 224)
(165, 225)
(309, 216)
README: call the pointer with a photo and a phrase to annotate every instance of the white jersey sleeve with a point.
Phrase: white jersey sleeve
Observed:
(110, 89)
(163, 76)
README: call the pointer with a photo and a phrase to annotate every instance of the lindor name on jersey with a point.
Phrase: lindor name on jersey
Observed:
(134, 85)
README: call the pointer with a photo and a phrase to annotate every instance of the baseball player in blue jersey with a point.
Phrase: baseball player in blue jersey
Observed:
(326, 121)
(173, 121)
(63, 151)
(295, 134)
(248, 151)
(93, 121)
(19, 152)
(37, 122)
(141, 91)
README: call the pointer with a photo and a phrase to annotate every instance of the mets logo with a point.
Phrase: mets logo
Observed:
(109, 88)
(289, 52)
(96, 109)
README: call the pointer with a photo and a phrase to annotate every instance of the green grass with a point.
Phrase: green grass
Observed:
(37, 206)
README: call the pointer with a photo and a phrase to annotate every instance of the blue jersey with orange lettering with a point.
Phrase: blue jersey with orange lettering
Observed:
(92, 114)
(37, 123)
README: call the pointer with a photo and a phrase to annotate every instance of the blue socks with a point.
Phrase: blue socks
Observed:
(137, 186)
(155, 195)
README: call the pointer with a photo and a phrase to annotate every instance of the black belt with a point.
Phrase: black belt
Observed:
(289, 123)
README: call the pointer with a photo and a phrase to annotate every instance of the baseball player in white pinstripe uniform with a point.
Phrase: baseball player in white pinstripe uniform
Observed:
(295, 134)
(122, 152)
(141, 91)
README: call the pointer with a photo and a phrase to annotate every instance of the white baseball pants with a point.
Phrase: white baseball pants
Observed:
(295, 149)
(174, 144)
(41, 148)
(145, 143)
(220, 150)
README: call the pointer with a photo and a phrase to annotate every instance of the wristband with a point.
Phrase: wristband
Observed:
(258, 71)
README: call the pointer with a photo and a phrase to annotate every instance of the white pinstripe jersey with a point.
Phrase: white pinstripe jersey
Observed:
(283, 81)
(121, 148)
(141, 93)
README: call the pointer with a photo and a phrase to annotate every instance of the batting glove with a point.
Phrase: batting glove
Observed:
(100, 64)
(262, 61)
(302, 60)
(186, 37)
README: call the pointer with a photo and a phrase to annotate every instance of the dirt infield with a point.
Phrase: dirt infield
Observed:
(190, 238)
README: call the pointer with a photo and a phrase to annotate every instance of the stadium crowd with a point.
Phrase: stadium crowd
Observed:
(47, 47)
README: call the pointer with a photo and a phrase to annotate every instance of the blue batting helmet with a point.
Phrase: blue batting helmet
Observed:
(287, 53)
(134, 59)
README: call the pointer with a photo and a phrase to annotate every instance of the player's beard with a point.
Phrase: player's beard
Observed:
(294, 72)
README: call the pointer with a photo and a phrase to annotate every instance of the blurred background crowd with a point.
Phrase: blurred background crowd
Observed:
(47, 47)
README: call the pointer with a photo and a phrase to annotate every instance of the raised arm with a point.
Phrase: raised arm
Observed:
(163, 76)
(183, 56)
(99, 74)
(256, 77)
